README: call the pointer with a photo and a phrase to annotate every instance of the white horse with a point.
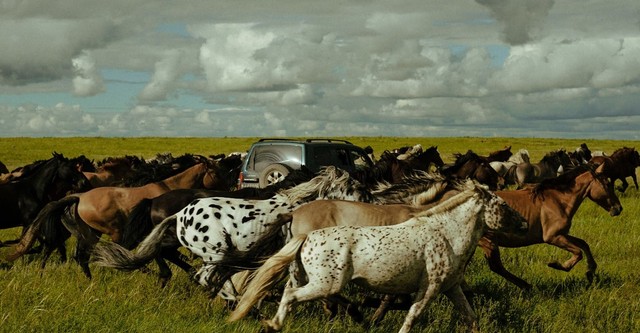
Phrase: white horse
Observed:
(208, 227)
(424, 256)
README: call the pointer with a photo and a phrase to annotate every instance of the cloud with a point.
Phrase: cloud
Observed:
(166, 77)
(520, 18)
(41, 49)
(88, 81)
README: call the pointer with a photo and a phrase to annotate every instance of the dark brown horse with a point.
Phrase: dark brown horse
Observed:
(3, 168)
(471, 165)
(549, 209)
(104, 210)
(52, 179)
(389, 168)
(113, 171)
(624, 162)
(501, 155)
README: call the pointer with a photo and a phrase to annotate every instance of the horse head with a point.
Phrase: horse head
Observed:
(603, 193)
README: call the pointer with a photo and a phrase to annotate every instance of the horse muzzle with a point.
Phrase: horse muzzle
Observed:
(615, 210)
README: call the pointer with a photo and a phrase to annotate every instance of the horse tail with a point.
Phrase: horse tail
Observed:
(270, 273)
(139, 224)
(47, 218)
(109, 254)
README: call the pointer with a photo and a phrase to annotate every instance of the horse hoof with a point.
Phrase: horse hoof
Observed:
(266, 327)
(590, 277)
(556, 265)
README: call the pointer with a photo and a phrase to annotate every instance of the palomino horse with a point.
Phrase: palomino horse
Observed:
(436, 246)
(624, 162)
(549, 209)
(22, 199)
(104, 210)
(208, 226)
(470, 165)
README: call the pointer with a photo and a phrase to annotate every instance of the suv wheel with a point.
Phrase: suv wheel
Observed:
(273, 174)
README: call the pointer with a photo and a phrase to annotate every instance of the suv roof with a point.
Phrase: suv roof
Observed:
(269, 160)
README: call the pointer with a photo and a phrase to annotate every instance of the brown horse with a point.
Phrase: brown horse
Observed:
(471, 165)
(549, 209)
(624, 162)
(112, 171)
(104, 210)
(501, 155)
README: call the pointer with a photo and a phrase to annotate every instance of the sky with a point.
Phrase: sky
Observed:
(264, 68)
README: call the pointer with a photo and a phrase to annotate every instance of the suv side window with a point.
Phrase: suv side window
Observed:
(332, 156)
(285, 154)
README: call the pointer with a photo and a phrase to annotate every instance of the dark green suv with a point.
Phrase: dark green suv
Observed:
(268, 161)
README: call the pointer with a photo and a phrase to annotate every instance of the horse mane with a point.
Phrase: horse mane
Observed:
(422, 186)
(467, 188)
(155, 172)
(328, 180)
(561, 183)
(622, 152)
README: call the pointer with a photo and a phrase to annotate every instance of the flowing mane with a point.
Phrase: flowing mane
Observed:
(330, 181)
(416, 188)
(561, 183)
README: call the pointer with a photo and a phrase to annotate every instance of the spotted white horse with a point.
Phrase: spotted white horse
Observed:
(424, 256)
(208, 227)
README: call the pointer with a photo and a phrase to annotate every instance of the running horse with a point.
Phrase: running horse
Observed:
(150, 212)
(471, 165)
(208, 226)
(549, 208)
(550, 166)
(104, 210)
(436, 246)
(22, 199)
(623, 164)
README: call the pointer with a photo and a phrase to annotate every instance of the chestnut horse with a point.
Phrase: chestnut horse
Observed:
(624, 162)
(104, 210)
(549, 209)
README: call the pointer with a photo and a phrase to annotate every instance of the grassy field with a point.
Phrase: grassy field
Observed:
(60, 299)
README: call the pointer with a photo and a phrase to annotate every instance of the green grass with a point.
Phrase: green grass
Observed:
(60, 299)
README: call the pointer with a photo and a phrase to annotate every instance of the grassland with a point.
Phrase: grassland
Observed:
(60, 299)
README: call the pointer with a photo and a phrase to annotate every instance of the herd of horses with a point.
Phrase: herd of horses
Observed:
(404, 228)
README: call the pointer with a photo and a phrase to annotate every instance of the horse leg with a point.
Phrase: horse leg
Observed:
(292, 295)
(86, 237)
(424, 295)
(635, 181)
(576, 246)
(624, 186)
(351, 308)
(492, 255)
(460, 302)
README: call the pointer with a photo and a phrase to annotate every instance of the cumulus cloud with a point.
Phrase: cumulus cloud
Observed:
(41, 49)
(520, 18)
(493, 67)
(88, 81)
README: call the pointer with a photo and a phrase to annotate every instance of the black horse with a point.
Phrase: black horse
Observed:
(46, 181)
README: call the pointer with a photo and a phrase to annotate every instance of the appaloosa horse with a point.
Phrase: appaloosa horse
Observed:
(436, 246)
